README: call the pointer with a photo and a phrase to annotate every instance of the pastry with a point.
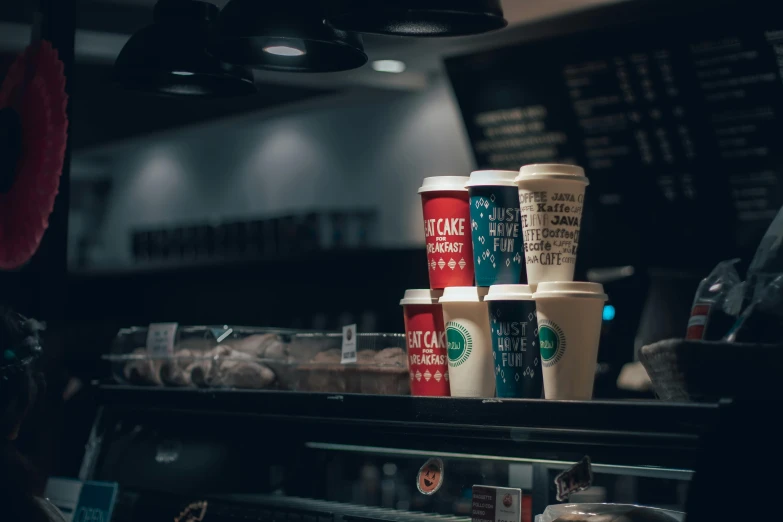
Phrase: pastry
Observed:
(172, 371)
(201, 369)
(332, 356)
(141, 369)
(391, 356)
(276, 350)
(255, 345)
(234, 373)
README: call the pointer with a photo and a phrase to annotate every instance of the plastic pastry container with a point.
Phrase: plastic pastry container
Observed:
(381, 366)
(261, 358)
(607, 513)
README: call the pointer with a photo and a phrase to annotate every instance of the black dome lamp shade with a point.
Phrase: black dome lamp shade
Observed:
(286, 35)
(418, 17)
(171, 56)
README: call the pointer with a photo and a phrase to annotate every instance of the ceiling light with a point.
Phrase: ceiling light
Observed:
(417, 17)
(285, 47)
(171, 56)
(283, 50)
(286, 36)
(389, 66)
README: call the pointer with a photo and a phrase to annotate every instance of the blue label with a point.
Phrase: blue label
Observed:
(496, 230)
(82, 501)
(96, 502)
(515, 349)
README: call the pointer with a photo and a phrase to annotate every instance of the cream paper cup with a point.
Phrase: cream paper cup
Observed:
(469, 342)
(551, 200)
(569, 330)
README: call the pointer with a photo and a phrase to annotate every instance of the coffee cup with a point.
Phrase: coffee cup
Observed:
(469, 342)
(512, 314)
(569, 330)
(496, 228)
(447, 231)
(551, 199)
(426, 341)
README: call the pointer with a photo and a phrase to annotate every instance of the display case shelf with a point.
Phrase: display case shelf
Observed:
(652, 434)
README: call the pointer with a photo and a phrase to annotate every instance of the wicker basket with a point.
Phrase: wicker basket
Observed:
(683, 370)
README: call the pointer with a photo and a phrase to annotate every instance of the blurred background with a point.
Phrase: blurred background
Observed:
(298, 206)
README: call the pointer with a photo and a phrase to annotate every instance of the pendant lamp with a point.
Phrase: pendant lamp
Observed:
(172, 55)
(287, 35)
(427, 18)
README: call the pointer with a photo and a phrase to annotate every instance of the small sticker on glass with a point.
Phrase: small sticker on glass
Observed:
(430, 477)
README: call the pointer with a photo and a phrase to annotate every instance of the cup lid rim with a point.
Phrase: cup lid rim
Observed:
(581, 289)
(492, 178)
(444, 184)
(552, 171)
(464, 294)
(420, 296)
(518, 292)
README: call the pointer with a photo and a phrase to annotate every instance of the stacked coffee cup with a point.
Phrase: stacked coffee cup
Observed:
(501, 337)
(569, 313)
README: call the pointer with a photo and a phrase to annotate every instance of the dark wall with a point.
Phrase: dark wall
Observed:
(105, 112)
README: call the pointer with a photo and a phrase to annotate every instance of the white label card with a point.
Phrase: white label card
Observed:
(349, 344)
(160, 339)
(491, 504)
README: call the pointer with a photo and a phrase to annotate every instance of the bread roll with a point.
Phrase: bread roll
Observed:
(391, 356)
(173, 371)
(142, 370)
(233, 373)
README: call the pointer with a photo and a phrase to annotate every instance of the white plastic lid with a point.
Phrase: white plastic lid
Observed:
(510, 293)
(484, 178)
(421, 297)
(552, 171)
(557, 289)
(444, 183)
(464, 294)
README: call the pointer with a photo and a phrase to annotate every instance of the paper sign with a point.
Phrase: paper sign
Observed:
(576, 478)
(349, 344)
(492, 504)
(160, 339)
(82, 501)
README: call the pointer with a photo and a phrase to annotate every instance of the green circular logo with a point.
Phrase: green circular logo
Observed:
(460, 343)
(552, 342)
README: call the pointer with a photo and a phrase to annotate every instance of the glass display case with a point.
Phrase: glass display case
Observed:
(258, 358)
(280, 456)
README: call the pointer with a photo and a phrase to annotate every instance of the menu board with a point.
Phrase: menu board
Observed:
(677, 121)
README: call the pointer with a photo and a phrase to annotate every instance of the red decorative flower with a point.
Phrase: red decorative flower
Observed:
(35, 89)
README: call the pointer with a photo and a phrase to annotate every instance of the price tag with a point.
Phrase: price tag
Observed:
(492, 504)
(349, 344)
(160, 339)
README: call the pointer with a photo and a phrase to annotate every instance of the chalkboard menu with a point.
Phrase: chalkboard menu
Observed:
(677, 120)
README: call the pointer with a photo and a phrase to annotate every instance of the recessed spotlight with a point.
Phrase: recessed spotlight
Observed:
(285, 47)
(389, 66)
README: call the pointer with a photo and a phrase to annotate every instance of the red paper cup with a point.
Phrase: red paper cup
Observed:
(447, 231)
(426, 339)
